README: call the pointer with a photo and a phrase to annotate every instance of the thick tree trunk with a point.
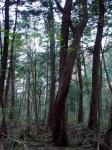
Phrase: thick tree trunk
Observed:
(64, 34)
(66, 67)
(95, 94)
(61, 137)
(59, 131)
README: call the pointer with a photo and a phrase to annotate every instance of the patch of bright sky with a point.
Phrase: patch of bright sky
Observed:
(36, 5)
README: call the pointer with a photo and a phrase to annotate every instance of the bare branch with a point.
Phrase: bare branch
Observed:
(83, 20)
(59, 6)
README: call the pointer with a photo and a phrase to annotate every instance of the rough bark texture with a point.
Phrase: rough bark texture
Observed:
(64, 34)
(62, 138)
(95, 94)
(58, 128)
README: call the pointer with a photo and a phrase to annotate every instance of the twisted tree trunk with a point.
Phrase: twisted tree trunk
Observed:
(67, 59)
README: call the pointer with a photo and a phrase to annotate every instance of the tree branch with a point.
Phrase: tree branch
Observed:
(60, 8)
(83, 20)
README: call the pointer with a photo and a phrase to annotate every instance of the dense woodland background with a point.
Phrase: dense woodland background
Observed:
(55, 74)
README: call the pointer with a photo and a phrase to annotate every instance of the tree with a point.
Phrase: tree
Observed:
(58, 129)
(11, 71)
(51, 30)
(95, 93)
(80, 112)
(4, 59)
(63, 53)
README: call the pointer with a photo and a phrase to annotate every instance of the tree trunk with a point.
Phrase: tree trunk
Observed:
(108, 135)
(80, 112)
(4, 66)
(61, 137)
(95, 94)
(52, 62)
(47, 90)
(59, 128)
(12, 110)
(12, 69)
(33, 66)
(0, 40)
(28, 101)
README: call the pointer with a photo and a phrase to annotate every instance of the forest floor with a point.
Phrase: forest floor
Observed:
(40, 138)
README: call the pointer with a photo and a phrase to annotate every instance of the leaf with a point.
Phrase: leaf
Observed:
(59, 36)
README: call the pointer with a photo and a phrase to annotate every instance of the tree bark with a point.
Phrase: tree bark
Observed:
(4, 66)
(52, 62)
(12, 69)
(4, 56)
(0, 40)
(80, 112)
(28, 102)
(47, 91)
(63, 53)
(95, 93)
(66, 65)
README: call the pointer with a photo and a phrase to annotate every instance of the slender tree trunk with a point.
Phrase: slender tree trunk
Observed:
(28, 101)
(12, 110)
(1, 40)
(34, 81)
(100, 99)
(35, 90)
(22, 98)
(81, 111)
(4, 67)
(86, 78)
(12, 69)
(108, 80)
(47, 90)
(95, 95)
(52, 62)
(108, 135)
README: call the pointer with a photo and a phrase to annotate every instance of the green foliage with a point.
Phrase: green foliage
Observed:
(59, 37)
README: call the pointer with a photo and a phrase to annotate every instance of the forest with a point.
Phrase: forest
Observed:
(55, 75)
